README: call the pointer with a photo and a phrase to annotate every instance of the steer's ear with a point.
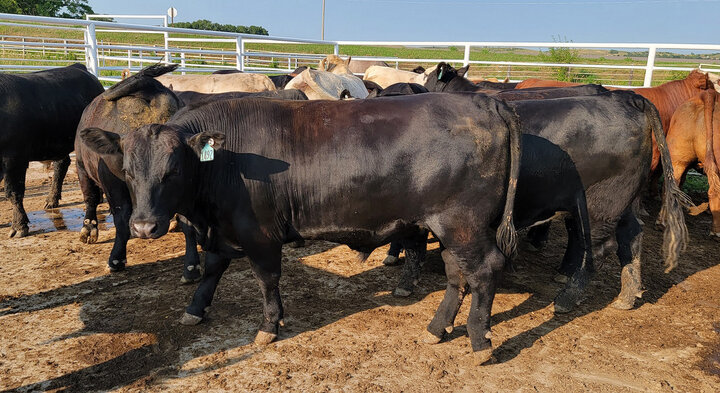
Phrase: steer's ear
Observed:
(101, 141)
(463, 71)
(198, 141)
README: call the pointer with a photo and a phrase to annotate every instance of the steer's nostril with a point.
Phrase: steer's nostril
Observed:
(144, 229)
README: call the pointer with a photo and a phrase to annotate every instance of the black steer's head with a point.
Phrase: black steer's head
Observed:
(442, 75)
(160, 166)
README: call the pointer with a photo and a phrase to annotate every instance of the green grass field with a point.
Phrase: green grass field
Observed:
(515, 72)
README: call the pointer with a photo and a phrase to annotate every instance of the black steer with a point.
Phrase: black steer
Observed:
(360, 172)
(445, 78)
(608, 136)
(136, 101)
(40, 114)
(193, 99)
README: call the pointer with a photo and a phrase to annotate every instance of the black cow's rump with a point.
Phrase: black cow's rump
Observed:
(40, 113)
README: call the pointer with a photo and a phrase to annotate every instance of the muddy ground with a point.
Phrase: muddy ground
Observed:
(67, 324)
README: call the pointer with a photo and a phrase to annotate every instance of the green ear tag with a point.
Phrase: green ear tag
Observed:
(207, 153)
(440, 74)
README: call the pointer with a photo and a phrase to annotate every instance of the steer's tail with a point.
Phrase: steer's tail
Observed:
(506, 236)
(675, 236)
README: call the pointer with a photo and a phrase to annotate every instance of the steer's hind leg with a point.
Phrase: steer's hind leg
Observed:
(455, 292)
(191, 269)
(578, 227)
(60, 168)
(415, 250)
(629, 237)
(15, 169)
(265, 265)
(92, 195)
(215, 266)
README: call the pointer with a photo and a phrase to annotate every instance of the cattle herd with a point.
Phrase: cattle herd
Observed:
(245, 163)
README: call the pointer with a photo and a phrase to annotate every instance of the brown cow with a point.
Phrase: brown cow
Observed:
(691, 140)
(666, 97)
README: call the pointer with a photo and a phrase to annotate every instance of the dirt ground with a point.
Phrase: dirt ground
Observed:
(67, 324)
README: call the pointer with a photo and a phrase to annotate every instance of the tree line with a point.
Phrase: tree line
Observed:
(77, 9)
(204, 24)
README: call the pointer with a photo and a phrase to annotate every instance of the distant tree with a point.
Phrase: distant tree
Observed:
(204, 24)
(9, 7)
(75, 9)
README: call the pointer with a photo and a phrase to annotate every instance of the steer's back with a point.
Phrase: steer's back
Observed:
(360, 162)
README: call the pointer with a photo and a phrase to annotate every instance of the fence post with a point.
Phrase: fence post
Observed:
(129, 63)
(43, 47)
(239, 57)
(182, 62)
(165, 36)
(650, 66)
(466, 59)
(65, 43)
(23, 46)
(92, 49)
(336, 49)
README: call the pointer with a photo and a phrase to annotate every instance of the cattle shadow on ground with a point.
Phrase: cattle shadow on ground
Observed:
(147, 298)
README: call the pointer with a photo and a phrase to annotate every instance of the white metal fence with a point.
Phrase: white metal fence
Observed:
(108, 47)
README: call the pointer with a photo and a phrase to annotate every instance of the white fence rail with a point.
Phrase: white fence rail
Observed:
(107, 48)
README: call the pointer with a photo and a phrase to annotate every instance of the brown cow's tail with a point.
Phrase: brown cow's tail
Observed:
(711, 163)
(506, 237)
(675, 236)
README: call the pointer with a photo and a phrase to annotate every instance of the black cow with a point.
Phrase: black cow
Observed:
(399, 89)
(543, 93)
(280, 81)
(445, 78)
(40, 113)
(225, 72)
(608, 136)
(548, 184)
(135, 101)
(359, 172)
(193, 99)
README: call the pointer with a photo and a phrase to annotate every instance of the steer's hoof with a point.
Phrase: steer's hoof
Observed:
(89, 231)
(430, 338)
(264, 338)
(484, 356)
(391, 260)
(117, 265)
(190, 320)
(402, 292)
(192, 274)
(17, 233)
(715, 236)
(624, 304)
(560, 307)
(561, 278)
(51, 204)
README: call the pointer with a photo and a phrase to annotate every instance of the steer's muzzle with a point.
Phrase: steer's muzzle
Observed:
(145, 229)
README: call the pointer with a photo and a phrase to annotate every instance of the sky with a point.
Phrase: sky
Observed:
(641, 21)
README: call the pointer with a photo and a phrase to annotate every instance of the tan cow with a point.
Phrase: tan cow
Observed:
(218, 83)
(335, 64)
(386, 76)
(323, 85)
(691, 139)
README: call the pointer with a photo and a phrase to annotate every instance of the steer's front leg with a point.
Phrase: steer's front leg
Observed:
(215, 266)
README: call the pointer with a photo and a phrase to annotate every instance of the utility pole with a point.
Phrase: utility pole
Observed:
(322, 25)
